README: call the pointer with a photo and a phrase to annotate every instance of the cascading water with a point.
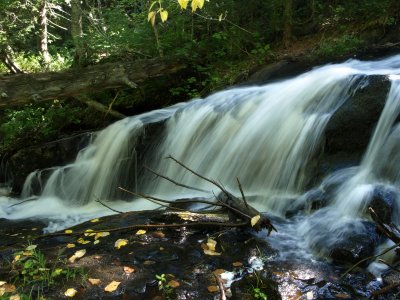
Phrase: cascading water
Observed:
(267, 136)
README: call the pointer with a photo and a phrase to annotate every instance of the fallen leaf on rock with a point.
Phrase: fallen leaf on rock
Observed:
(140, 232)
(94, 281)
(128, 270)
(27, 253)
(89, 232)
(70, 292)
(211, 244)
(70, 245)
(2, 291)
(78, 254)
(213, 288)
(33, 229)
(68, 231)
(218, 272)
(149, 262)
(210, 252)
(101, 234)
(82, 241)
(174, 283)
(120, 243)
(237, 264)
(342, 296)
(15, 297)
(254, 220)
(94, 220)
(112, 286)
(158, 234)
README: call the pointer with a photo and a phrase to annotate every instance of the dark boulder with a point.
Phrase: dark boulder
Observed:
(383, 202)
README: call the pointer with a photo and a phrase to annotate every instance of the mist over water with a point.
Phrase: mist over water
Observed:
(267, 136)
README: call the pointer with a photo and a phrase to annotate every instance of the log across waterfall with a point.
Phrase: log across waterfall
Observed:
(270, 137)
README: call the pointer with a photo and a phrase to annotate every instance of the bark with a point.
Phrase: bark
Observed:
(44, 35)
(24, 88)
(288, 22)
(77, 33)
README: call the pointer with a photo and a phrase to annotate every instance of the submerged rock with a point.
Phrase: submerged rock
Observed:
(384, 202)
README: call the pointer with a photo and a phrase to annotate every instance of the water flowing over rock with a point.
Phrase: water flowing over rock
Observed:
(315, 147)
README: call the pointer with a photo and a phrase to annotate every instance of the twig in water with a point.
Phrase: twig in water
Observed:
(175, 182)
(221, 287)
(241, 191)
(22, 202)
(114, 210)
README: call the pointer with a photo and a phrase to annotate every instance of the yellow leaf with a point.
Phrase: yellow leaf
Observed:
(120, 242)
(151, 17)
(164, 15)
(70, 245)
(2, 291)
(31, 247)
(210, 252)
(220, 17)
(183, 3)
(112, 286)
(70, 292)
(96, 242)
(33, 229)
(211, 244)
(128, 270)
(101, 234)
(78, 254)
(94, 281)
(197, 4)
(89, 232)
(140, 232)
(254, 220)
(27, 253)
(82, 241)
(15, 297)
(3, 283)
(95, 220)
(16, 258)
(68, 231)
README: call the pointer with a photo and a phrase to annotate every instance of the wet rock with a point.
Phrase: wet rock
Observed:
(56, 153)
(383, 202)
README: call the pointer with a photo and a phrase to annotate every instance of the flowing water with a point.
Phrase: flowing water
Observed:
(267, 136)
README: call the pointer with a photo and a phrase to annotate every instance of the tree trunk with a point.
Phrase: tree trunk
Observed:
(44, 35)
(77, 33)
(6, 58)
(288, 22)
(25, 88)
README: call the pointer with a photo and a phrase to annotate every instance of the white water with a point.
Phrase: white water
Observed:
(263, 135)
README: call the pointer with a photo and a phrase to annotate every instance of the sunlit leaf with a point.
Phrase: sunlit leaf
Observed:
(140, 232)
(164, 15)
(57, 272)
(15, 297)
(78, 254)
(197, 4)
(254, 220)
(3, 283)
(151, 17)
(128, 270)
(211, 244)
(112, 286)
(210, 252)
(68, 231)
(82, 241)
(94, 281)
(95, 220)
(220, 17)
(31, 247)
(27, 253)
(17, 258)
(96, 242)
(71, 292)
(120, 243)
(89, 232)
(33, 229)
(70, 245)
(101, 234)
(2, 291)
(183, 3)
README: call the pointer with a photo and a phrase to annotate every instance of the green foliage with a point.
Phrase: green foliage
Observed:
(32, 271)
(257, 293)
(164, 287)
(36, 124)
(338, 46)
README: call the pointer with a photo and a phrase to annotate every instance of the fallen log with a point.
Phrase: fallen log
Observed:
(22, 89)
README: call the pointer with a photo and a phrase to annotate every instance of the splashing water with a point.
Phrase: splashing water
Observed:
(266, 136)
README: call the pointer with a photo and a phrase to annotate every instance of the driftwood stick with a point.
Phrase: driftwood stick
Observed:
(173, 181)
(241, 191)
(147, 226)
(112, 209)
(22, 202)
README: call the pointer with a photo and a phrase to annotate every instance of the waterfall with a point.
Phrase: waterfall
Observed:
(267, 136)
